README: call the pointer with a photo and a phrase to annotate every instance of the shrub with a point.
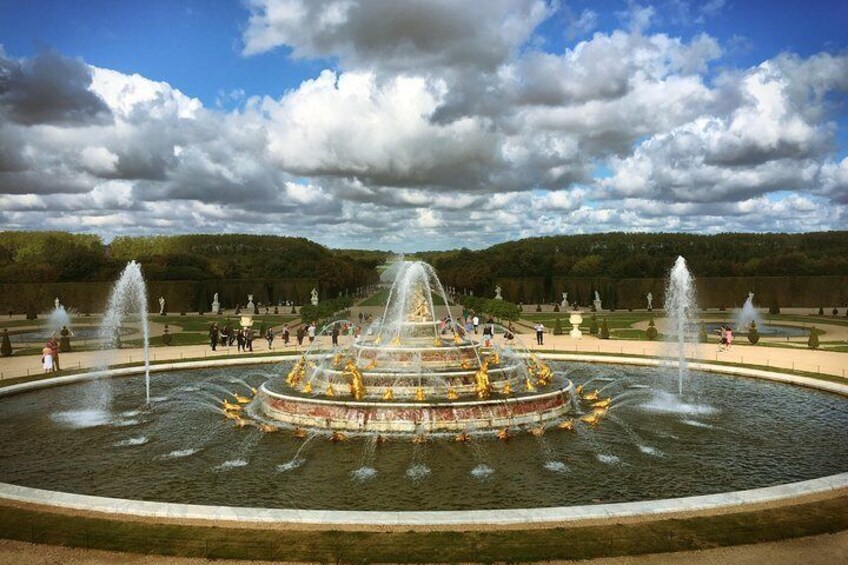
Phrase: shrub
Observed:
(6, 346)
(753, 333)
(294, 310)
(813, 342)
(558, 327)
(821, 311)
(166, 336)
(774, 308)
(31, 313)
(702, 334)
(835, 312)
(538, 307)
(604, 329)
(651, 333)
(556, 307)
(593, 326)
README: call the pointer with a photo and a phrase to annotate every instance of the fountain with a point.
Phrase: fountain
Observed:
(128, 295)
(748, 314)
(680, 309)
(410, 373)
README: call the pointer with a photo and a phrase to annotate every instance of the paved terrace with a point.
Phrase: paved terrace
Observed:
(807, 360)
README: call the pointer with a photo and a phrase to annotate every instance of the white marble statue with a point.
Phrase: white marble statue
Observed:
(251, 307)
(56, 303)
(161, 305)
(498, 293)
(564, 303)
(597, 301)
(216, 306)
(650, 298)
(315, 297)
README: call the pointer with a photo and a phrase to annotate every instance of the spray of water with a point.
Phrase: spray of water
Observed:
(748, 314)
(58, 319)
(681, 313)
(129, 295)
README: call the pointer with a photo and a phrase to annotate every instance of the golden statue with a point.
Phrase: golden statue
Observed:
(371, 364)
(494, 358)
(452, 395)
(463, 437)
(591, 395)
(357, 384)
(481, 378)
(388, 395)
(528, 385)
(396, 340)
(592, 419)
(538, 431)
(544, 374)
(420, 308)
(378, 340)
(602, 403)
(308, 388)
(241, 399)
(507, 389)
(330, 390)
(298, 371)
(299, 433)
(504, 434)
(567, 424)
(437, 342)
(579, 389)
(419, 439)
(337, 437)
(231, 406)
(338, 359)
(457, 339)
(419, 395)
(268, 428)
(465, 364)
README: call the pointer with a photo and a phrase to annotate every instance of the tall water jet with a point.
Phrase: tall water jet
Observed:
(129, 295)
(748, 314)
(681, 312)
(59, 318)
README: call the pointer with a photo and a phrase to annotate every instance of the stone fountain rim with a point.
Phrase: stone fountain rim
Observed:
(207, 514)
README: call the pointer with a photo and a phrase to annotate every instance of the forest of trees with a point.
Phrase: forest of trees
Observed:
(46, 257)
(641, 255)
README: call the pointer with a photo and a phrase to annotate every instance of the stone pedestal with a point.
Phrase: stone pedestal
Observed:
(575, 320)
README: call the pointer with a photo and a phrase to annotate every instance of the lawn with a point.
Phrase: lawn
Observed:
(380, 297)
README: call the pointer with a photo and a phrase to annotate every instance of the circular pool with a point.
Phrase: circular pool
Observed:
(765, 330)
(726, 434)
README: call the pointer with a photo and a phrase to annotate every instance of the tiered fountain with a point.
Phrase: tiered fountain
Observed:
(412, 374)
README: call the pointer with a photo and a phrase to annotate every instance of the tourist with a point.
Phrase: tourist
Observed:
(335, 335)
(269, 335)
(475, 321)
(488, 330)
(54, 353)
(225, 336)
(722, 342)
(240, 339)
(311, 332)
(729, 338)
(248, 339)
(213, 336)
(232, 334)
(509, 334)
(540, 333)
(47, 359)
(300, 334)
(285, 335)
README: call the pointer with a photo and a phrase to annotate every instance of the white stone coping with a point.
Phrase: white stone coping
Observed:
(551, 515)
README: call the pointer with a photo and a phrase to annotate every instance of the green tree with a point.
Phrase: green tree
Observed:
(753, 333)
(593, 325)
(813, 341)
(6, 345)
(501, 309)
(651, 333)
(557, 327)
(604, 329)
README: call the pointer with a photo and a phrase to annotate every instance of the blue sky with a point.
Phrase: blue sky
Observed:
(535, 118)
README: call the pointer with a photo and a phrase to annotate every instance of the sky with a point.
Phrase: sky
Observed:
(423, 124)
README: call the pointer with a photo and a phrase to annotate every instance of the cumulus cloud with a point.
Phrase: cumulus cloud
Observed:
(49, 89)
(440, 125)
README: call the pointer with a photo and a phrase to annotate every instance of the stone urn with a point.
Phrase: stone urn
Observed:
(246, 321)
(575, 320)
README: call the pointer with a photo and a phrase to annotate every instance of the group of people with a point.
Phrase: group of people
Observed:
(50, 355)
(244, 337)
(725, 338)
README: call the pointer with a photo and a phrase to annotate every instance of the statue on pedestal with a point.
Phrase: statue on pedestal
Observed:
(56, 303)
(597, 301)
(315, 297)
(216, 306)
(161, 305)
(650, 298)
(498, 293)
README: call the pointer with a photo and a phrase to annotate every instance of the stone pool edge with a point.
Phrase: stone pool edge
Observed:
(205, 514)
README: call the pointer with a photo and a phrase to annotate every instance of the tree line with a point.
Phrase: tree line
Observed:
(642, 255)
(47, 257)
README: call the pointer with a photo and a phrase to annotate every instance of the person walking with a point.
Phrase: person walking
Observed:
(311, 332)
(475, 321)
(285, 334)
(540, 333)
(300, 334)
(335, 335)
(488, 330)
(269, 335)
(248, 339)
(240, 340)
(213, 336)
(54, 353)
